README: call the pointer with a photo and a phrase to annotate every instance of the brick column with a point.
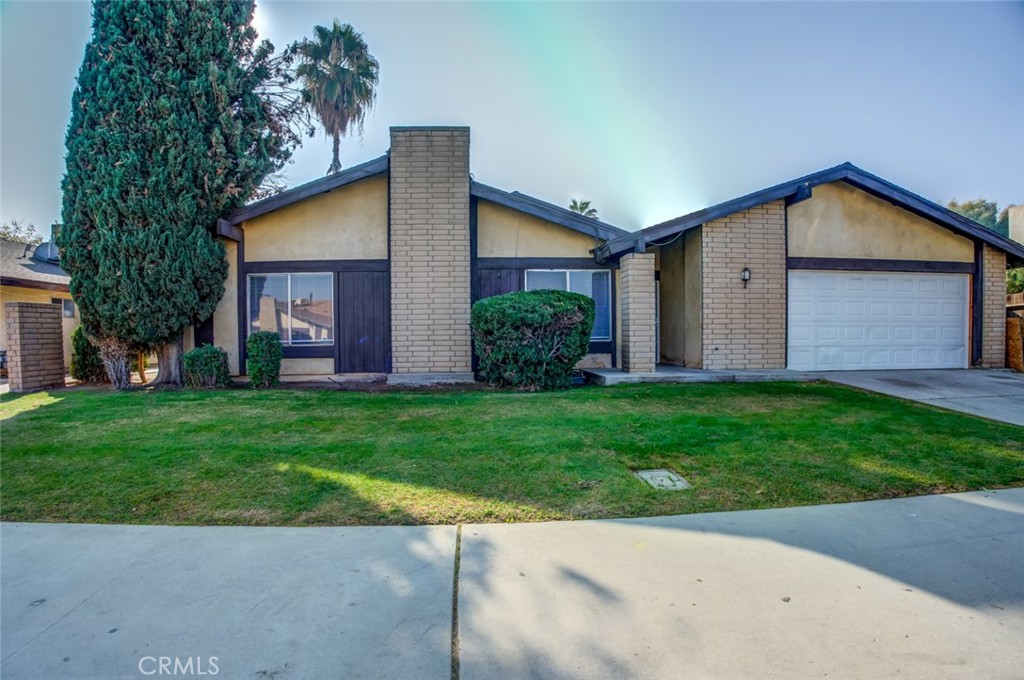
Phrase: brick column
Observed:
(429, 252)
(745, 326)
(636, 295)
(35, 346)
(993, 319)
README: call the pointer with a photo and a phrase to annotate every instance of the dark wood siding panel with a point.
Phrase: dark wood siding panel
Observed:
(491, 282)
(873, 265)
(202, 334)
(363, 329)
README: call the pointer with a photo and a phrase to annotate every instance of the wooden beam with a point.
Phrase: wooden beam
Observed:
(303, 266)
(868, 265)
(229, 231)
(37, 285)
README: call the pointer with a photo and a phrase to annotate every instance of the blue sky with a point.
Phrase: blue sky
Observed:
(651, 110)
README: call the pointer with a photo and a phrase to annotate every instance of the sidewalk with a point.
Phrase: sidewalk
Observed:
(923, 587)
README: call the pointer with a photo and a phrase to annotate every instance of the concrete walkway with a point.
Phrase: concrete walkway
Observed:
(665, 373)
(993, 394)
(87, 601)
(926, 587)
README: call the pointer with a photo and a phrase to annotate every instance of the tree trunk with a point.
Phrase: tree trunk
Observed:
(336, 162)
(116, 355)
(143, 356)
(168, 357)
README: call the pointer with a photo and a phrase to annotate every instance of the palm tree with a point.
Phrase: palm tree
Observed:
(583, 208)
(339, 80)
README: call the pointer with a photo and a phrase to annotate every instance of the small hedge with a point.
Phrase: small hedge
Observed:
(86, 364)
(531, 340)
(206, 366)
(263, 362)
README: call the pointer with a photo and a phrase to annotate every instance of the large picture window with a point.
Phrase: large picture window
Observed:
(594, 283)
(298, 307)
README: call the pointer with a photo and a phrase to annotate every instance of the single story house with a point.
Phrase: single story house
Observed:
(32, 273)
(374, 270)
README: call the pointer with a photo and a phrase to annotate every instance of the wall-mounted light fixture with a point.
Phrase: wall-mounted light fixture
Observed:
(745, 276)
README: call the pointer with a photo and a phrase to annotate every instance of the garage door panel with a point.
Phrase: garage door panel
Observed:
(953, 334)
(877, 358)
(951, 310)
(903, 333)
(899, 285)
(881, 310)
(877, 320)
(879, 333)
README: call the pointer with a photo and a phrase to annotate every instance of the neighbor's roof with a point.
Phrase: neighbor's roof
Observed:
(18, 267)
(546, 211)
(799, 189)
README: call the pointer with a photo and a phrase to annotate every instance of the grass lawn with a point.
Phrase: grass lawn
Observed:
(332, 457)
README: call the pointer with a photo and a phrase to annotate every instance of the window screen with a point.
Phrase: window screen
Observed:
(594, 283)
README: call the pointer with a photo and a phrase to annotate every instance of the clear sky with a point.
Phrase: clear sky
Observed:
(650, 110)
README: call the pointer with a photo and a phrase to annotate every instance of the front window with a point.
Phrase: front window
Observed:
(298, 307)
(594, 283)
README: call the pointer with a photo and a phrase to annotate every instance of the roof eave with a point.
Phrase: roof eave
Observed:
(846, 172)
(547, 211)
(377, 166)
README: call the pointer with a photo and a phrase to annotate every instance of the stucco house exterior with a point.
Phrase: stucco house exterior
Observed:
(374, 270)
(32, 273)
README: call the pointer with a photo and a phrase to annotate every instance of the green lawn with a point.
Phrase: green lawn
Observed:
(333, 457)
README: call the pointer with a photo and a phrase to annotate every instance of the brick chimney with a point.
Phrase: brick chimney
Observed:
(1017, 223)
(430, 254)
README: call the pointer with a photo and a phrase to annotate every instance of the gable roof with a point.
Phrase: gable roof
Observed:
(20, 266)
(547, 211)
(228, 226)
(800, 189)
(377, 166)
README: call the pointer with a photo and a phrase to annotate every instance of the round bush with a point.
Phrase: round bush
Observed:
(531, 340)
(263, 362)
(206, 366)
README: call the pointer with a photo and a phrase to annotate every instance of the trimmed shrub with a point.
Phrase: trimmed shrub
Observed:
(531, 340)
(263, 361)
(206, 366)
(86, 364)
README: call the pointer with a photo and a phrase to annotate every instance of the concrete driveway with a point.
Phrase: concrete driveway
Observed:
(994, 394)
(926, 587)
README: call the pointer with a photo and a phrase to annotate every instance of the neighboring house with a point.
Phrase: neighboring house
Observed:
(32, 274)
(374, 270)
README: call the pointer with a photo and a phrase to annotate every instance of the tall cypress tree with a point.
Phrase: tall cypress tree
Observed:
(172, 127)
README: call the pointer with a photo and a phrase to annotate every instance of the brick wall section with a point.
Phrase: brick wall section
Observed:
(745, 328)
(35, 346)
(430, 259)
(993, 320)
(636, 295)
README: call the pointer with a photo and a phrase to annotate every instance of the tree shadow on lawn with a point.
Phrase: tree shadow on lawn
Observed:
(964, 548)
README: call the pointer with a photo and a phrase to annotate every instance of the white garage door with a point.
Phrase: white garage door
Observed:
(876, 320)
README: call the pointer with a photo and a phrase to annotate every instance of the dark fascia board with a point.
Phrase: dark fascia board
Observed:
(847, 172)
(546, 211)
(377, 166)
(30, 283)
